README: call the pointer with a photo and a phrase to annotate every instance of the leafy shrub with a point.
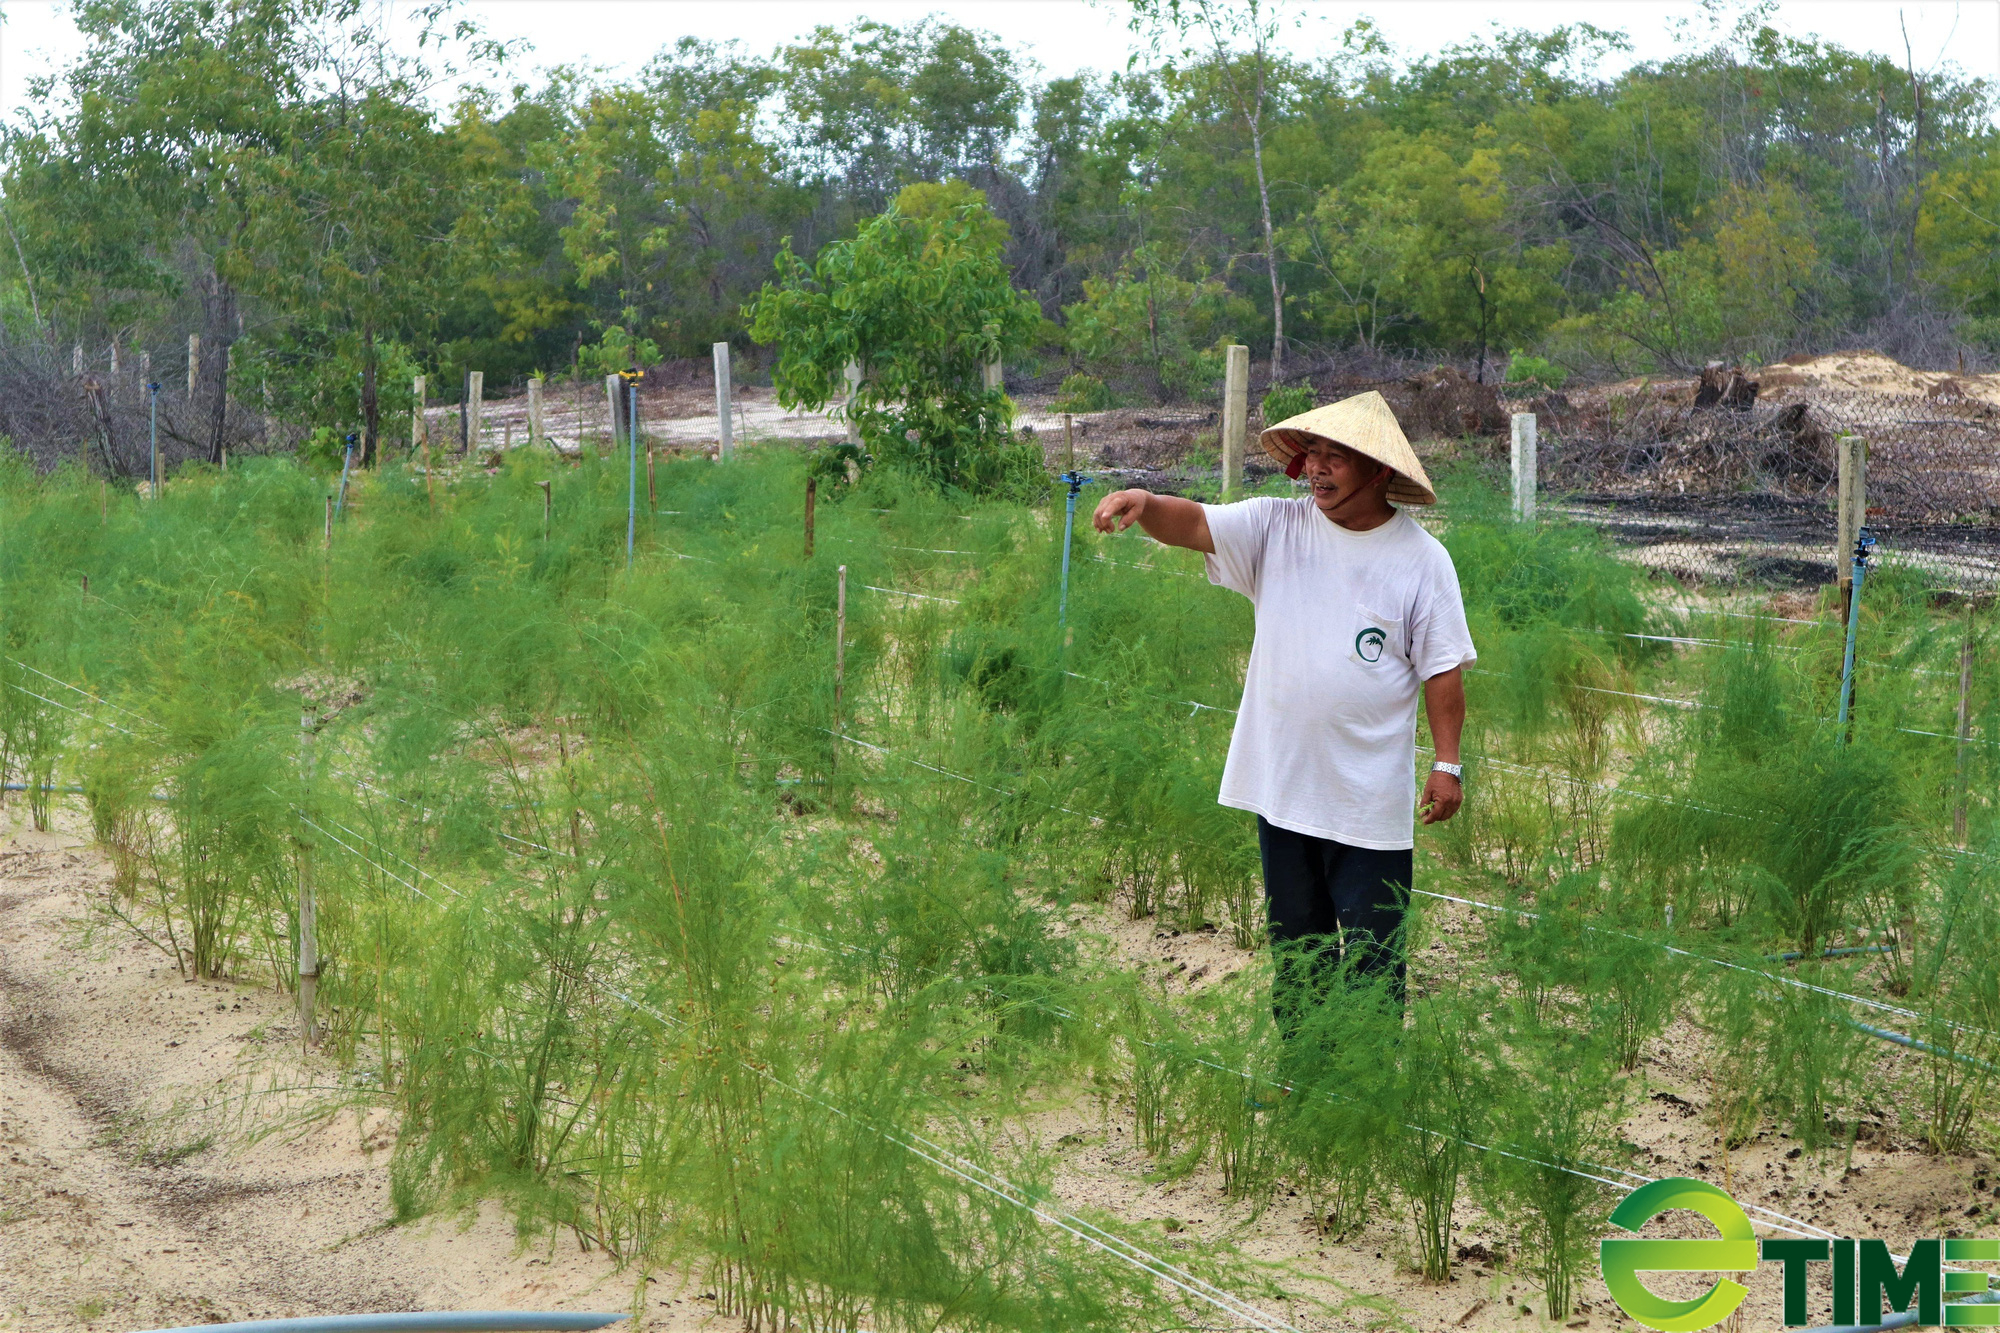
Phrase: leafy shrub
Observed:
(616, 350)
(1149, 315)
(1284, 402)
(1084, 393)
(1527, 373)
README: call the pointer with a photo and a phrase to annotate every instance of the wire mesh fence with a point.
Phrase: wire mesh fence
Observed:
(1727, 478)
(1744, 492)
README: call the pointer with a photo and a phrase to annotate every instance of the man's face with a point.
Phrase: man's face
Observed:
(1336, 472)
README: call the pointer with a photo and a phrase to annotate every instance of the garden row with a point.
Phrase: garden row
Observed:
(642, 919)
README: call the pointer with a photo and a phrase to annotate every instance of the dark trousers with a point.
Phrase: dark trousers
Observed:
(1331, 903)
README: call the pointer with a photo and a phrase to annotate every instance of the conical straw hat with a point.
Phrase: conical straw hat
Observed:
(1364, 424)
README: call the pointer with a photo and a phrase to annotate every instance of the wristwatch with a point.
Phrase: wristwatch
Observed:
(1456, 770)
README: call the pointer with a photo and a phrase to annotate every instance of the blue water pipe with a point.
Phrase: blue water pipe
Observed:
(346, 466)
(632, 479)
(1864, 542)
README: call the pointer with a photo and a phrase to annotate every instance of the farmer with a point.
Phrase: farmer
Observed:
(1356, 606)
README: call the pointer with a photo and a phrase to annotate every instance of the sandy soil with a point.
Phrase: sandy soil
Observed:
(1872, 372)
(1887, 1190)
(140, 1186)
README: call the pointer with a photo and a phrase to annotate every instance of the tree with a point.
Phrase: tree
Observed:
(678, 200)
(1148, 315)
(922, 305)
(272, 148)
(1420, 241)
(363, 219)
(882, 106)
(134, 183)
(1237, 40)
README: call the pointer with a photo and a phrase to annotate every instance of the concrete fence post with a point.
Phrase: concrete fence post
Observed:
(1235, 417)
(1523, 467)
(1852, 511)
(417, 432)
(194, 362)
(535, 410)
(995, 376)
(613, 386)
(853, 387)
(724, 401)
(475, 407)
(76, 359)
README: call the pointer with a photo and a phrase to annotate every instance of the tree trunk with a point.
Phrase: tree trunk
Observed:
(1270, 250)
(371, 406)
(218, 309)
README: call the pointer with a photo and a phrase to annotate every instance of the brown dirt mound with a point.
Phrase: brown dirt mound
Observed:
(1443, 402)
(1868, 371)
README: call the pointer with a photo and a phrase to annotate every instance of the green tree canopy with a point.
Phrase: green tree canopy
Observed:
(921, 306)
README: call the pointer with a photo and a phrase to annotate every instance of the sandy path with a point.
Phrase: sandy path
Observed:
(117, 1211)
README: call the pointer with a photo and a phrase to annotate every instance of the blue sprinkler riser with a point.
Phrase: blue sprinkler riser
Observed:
(632, 469)
(1075, 481)
(442, 1321)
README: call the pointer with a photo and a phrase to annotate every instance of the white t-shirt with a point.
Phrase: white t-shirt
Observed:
(1349, 626)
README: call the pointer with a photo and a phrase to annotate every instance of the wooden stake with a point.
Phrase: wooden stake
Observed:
(548, 508)
(1069, 443)
(1852, 513)
(418, 432)
(326, 543)
(839, 649)
(812, 493)
(194, 362)
(1964, 725)
(652, 491)
(104, 502)
(308, 906)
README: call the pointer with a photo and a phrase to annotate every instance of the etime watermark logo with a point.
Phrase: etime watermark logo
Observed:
(1867, 1282)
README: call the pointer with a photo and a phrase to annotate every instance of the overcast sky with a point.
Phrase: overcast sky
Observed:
(1064, 36)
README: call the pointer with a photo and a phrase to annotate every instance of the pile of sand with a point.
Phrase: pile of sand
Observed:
(1871, 372)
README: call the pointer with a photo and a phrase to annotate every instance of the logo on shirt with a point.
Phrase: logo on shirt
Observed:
(1368, 644)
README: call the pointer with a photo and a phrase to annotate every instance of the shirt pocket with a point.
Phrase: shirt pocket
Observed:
(1377, 638)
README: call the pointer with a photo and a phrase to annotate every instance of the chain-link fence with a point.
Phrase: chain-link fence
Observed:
(1712, 490)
